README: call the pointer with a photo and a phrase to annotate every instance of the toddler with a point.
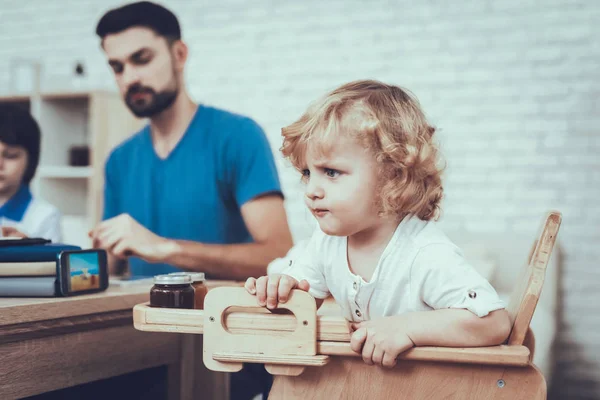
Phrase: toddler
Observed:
(370, 166)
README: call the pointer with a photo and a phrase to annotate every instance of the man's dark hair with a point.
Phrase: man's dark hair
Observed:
(18, 128)
(141, 14)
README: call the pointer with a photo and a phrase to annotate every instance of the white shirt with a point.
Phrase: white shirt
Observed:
(41, 219)
(419, 270)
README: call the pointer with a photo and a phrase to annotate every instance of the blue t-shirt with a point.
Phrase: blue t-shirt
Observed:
(222, 161)
(17, 205)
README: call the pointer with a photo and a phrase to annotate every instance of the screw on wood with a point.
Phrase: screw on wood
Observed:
(501, 383)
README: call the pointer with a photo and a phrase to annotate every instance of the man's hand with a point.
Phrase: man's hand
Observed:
(9, 231)
(381, 340)
(123, 236)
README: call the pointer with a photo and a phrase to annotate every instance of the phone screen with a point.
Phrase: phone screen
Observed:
(84, 271)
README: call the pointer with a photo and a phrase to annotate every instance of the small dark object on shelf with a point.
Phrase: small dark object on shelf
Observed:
(79, 156)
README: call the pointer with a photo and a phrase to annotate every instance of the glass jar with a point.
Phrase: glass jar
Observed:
(172, 291)
(200, 288)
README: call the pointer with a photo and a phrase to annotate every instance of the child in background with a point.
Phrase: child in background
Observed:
(373, 183)
(21, 215)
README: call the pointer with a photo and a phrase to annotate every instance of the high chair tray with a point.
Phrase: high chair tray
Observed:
(333, 334)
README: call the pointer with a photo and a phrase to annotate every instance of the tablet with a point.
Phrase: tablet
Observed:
(13, 241)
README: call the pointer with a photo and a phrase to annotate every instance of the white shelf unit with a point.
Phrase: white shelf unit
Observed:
(62, 172)
(97, 119)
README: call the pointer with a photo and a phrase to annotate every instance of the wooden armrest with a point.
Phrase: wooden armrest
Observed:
(174, 320)
(517, 356)
(146, 318)
(333, 335)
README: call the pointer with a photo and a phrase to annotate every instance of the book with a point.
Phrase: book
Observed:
(33, 286)
(34, 253)
(36, 268)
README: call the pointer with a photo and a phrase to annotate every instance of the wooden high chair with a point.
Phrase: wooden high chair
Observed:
(311, 356)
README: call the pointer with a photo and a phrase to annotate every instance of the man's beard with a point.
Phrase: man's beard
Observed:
(158, 102)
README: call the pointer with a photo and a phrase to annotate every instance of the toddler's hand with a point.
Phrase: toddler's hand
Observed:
(273, 289)
(381, 341)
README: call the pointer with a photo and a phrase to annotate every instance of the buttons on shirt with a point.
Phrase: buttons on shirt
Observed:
(472, 294)
(358, 298)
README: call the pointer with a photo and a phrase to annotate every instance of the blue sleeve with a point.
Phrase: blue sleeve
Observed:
(253, 171)
(110, 189)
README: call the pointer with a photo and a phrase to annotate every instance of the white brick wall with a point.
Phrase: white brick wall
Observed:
(512, 86)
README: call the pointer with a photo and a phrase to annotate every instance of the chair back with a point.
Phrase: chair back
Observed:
(528, 287)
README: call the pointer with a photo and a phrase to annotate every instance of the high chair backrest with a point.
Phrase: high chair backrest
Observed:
(528, 287)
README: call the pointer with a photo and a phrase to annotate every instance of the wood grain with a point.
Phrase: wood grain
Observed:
(36, 366)
(51, 343)
(246, 323)
(219, 338)
(82, 323)
(517, 356)
(28, 310)
(288, 370)
(315, 361)
(350, 378)
(329, 327)
(529, 286)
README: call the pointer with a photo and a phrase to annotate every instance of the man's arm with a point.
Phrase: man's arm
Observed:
(266, 221)
(264, 216)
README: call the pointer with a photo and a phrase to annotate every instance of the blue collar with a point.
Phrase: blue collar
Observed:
(14, 209)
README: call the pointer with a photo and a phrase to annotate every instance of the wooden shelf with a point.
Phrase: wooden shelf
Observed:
(17, 98)
(73, 94)
(96, 117)
(64, 172)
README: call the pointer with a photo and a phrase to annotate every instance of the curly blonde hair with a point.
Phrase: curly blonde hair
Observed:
(388, 121)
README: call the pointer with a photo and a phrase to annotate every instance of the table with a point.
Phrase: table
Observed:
(52, 343)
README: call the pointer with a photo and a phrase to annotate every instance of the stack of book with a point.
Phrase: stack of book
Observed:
(30, 270)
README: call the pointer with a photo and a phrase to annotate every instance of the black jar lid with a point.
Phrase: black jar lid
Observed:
(172, 279)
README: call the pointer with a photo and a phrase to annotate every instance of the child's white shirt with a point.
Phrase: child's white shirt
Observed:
(40, 220)
(419, 270)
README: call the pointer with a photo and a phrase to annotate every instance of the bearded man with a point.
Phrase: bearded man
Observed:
(197, 188)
